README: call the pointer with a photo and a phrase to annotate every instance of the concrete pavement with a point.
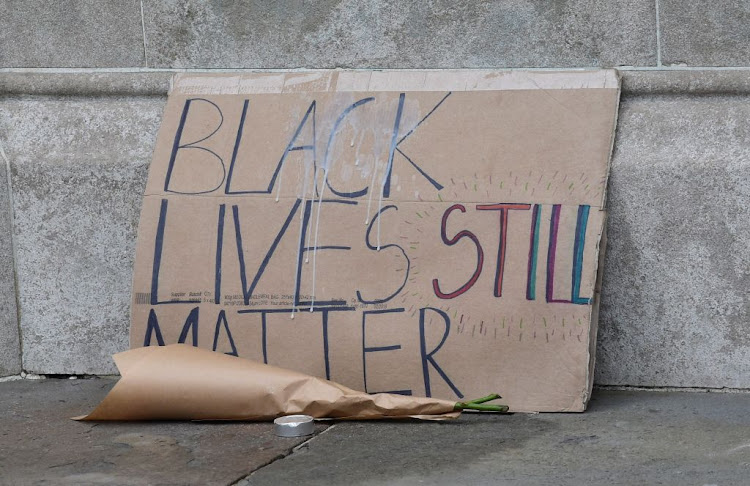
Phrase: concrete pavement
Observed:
(626, 437)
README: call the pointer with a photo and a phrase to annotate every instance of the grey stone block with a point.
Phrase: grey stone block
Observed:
(10, 350)
(705, 33)
(79, 168)
(391, 34)
(675, 302)
(71, 33)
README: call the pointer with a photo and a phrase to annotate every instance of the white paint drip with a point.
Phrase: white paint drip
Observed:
(317, 226)
(359, 145)
(307, 166)
(380, 201)
(325, 167)
(372, 191)
(326, 170)
(379, 218)
(309, 233)
(382, 120)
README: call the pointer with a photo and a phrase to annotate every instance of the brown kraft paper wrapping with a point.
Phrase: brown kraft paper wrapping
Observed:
(180, 382)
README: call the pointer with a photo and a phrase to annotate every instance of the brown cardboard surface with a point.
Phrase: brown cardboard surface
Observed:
(424, 232)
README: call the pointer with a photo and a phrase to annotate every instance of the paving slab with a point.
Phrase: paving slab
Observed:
(40, 445)
(625, 438)
(392, 34)
(71, 33)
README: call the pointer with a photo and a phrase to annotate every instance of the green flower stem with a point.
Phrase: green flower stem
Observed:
(483, 408)
(488, 398)
(478, 404)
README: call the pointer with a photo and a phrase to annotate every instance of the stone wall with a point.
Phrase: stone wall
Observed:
(83, 84)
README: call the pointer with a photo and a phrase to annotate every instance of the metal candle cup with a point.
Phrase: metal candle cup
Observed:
(294, 426)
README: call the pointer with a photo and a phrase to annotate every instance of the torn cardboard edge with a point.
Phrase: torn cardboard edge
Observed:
(601, 248)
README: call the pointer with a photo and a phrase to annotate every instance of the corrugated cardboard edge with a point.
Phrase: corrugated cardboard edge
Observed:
(390, 80)
(612, 141)
(594, 319)
(601, 249)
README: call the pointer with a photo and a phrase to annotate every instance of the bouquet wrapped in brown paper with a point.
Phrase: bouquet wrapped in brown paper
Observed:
(180, 382)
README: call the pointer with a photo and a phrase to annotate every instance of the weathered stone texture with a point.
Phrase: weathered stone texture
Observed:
(705, 33)
(82, 83)
(391, 34)
(71, 33)
(79, 168)
(675, 306)
(10, 351)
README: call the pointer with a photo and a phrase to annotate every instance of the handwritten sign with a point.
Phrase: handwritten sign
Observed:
(425, 233)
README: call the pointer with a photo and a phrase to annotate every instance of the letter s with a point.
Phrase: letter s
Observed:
(451, 242)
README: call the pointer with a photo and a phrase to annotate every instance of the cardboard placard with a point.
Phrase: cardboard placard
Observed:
(430, 233)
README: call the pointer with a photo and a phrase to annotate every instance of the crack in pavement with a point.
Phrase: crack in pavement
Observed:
(245, 479)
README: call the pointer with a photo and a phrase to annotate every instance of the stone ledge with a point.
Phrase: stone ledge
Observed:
(156, 83)
(85, 83)
(686, 81)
